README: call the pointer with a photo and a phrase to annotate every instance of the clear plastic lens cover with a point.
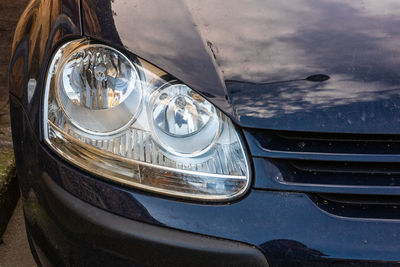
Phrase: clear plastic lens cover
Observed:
(99, 89)
(123, 119)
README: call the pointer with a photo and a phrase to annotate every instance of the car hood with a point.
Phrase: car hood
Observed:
(251, 58)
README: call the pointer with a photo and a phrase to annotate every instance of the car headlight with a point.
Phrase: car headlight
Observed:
(126, 120)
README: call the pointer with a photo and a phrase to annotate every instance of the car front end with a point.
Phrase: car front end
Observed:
(176, 134)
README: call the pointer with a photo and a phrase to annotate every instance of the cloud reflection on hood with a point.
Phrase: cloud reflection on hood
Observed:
(354, 42)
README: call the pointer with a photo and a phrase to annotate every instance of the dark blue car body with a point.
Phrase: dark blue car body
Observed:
(313, 87)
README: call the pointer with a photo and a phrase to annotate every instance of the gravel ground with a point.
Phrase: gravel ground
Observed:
(14, 251)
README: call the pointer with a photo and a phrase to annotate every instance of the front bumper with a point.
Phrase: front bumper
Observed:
(287, 227)
(94, 233)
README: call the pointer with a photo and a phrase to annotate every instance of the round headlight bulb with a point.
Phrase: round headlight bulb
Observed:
(184, 122)
(99, 89)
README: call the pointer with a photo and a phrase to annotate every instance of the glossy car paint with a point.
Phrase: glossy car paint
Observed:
(240, 55)
(222, 52)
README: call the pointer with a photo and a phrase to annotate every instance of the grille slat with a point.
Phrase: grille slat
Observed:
(347, 167)
(312, 146)
(374, 207)
(339, 173)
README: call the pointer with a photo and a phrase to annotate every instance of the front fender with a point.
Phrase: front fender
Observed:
(41, 26)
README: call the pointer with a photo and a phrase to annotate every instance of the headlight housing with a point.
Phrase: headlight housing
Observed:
(126, 120)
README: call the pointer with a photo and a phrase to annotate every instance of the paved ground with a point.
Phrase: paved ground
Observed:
(14, 252)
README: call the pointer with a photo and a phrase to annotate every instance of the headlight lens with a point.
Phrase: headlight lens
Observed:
(99, 89)
(185, 123)
(128, 121)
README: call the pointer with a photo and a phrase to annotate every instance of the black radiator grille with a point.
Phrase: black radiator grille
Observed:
(302, 158)
(353, 175)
